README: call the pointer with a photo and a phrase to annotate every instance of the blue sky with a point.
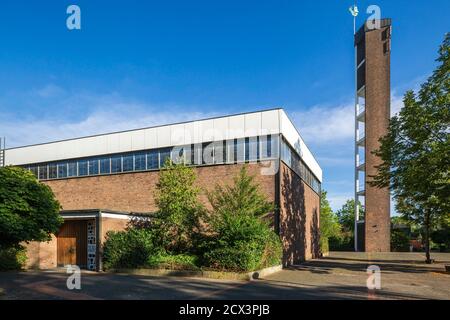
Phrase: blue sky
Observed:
(140, 63)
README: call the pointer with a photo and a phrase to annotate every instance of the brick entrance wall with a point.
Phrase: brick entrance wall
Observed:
(41, 255)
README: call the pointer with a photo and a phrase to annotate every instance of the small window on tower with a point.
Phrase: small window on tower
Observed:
(387, 46)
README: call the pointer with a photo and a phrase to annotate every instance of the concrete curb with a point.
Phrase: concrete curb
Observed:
(208, 274)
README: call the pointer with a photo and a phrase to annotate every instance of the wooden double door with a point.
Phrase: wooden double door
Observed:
(72, 243)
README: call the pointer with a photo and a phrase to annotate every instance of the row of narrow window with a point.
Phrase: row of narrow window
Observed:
(292, 160)
(219, 152)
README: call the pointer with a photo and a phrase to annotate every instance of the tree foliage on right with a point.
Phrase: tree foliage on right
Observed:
(416, 152)
(329, 223)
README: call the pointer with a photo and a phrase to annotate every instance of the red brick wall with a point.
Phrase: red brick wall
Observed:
(299, 205)
(111, 224)
(41, 255)
(134, 192)
(299, 218)
(33, 249)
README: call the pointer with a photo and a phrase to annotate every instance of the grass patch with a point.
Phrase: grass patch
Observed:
(173, 262)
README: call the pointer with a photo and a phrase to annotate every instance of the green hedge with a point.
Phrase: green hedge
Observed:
(139, 248)
(13, 258)
(242, 244)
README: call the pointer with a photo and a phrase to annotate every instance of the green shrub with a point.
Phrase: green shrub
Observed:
(441, 237)
(174, 262)
(243, 256)
(400, 241)
(13, 258)
(242, 243)
(128, 249)
(343, 243)
(329, 223)
(273, 251)
(239, 238)
(324, 246)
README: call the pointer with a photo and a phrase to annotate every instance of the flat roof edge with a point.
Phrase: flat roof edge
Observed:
(144, 128)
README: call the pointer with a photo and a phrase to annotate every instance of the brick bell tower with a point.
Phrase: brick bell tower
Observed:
(372, 114)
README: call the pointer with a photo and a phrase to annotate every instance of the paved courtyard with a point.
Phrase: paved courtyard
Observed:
(339, 276)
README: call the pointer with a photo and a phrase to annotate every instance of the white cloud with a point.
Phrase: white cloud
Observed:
(116, 118)
(396, 103)
(323, 124)
(327, 124)
(335, 161)
(329, 131)
(338, 200)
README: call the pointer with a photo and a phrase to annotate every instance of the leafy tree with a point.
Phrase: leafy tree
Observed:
(399, 220)
(400, 241)
(346, 216)
(346, 219)
(179, 211)
(242, 198)
(28, 208)
(441, 236)
(329, 223)
(416, 152)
